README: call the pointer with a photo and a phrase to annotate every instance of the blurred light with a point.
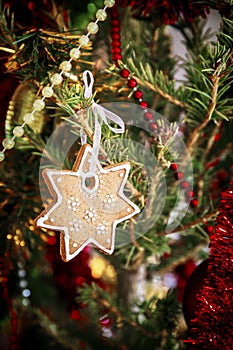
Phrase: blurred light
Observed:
(91, 7)
(9, 236)
(26, 293)
(22, 273)
(97, 265)
(22, 243)
(23, 283)
(18, 231)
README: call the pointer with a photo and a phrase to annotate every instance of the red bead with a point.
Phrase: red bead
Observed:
(125, 73)
(209, 229)
(174, 166)
(144, 104)
(132, 83)
(75, 315)
(184, 184)
(116, 50)
(179, 175)
(189, 194)
(194, 203)
(116, 57)
(116, 36)
(115, 22)
(115, 44)
(148, 116)
(217, 137)
(80, 280)
(137, 94)
(51, 240)
(115, 30)
(153, 127)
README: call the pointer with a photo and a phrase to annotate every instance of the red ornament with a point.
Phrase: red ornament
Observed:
(211, 324)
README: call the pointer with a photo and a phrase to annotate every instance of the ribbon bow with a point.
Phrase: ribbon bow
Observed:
(102, 113)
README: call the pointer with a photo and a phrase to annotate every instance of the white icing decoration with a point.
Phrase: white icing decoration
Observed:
(59, 179)
(75, 244)
(90, 215)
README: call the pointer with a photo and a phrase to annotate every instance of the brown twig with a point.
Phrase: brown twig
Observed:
(165, 95)
(195, 134)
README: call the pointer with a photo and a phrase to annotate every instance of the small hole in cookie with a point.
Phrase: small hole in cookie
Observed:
(90, 182)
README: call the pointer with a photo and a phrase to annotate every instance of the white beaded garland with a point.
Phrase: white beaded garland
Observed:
(75, 53)
(47, 91)
(57, 78)
(84, 40)
(18, 131)
(109, 3)
(101, 15)
(66, 66)
(8, 143)
(29, 118)
(92, 28)
(39, 105)
(2, 156)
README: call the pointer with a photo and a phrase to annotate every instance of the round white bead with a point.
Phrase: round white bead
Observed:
(75, 53)
(39, 105)
(47, 91)
(84, 40)
(29, 118)
(2, 156)
(101, 15)
(8, 143)
(92, 28)
(18, 131)
(56, 79)
(66, 66)
(109, 3)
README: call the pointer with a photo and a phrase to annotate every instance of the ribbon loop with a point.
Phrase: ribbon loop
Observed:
(102, 113)
(88, 85)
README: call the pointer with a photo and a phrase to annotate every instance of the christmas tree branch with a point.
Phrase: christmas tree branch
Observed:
(120, 316)
(162, 93)
(196, 133)
(206, 152)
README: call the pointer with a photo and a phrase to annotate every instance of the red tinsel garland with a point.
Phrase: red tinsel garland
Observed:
(212, 327)
(168, 11)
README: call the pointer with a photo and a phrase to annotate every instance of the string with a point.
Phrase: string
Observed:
(104, 115)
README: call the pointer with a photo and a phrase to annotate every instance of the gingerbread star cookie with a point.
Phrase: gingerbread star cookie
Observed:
(86, 206)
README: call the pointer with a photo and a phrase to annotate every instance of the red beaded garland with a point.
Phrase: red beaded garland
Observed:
(138, 94)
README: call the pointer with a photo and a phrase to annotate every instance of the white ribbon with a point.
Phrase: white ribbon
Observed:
(104, 115)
